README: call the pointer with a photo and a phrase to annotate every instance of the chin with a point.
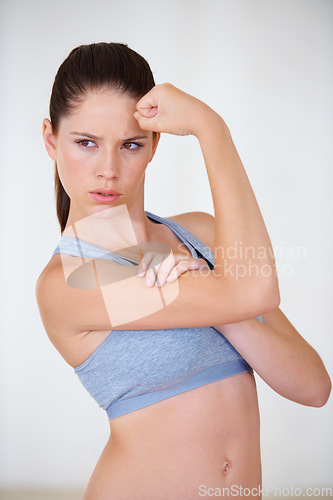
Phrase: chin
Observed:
(107, 211)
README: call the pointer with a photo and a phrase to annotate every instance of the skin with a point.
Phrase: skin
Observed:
(199, 437)
(110, 116)
(275, 349)
(213, 299)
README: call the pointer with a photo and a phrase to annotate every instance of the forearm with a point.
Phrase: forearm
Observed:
(238, 220)
(288, 364)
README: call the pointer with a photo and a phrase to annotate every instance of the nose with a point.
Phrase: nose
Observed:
(109, 166)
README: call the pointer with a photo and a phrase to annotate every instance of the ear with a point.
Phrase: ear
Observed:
(155, 142)
(49, 139)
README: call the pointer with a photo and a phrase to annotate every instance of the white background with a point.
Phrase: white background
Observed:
(266, 67)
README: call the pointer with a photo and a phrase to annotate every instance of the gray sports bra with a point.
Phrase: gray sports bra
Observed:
(132, 369)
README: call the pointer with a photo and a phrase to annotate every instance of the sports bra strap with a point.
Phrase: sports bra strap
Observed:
(79, 248)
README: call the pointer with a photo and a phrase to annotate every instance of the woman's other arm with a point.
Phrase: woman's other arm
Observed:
(281, 357)
(275, 349)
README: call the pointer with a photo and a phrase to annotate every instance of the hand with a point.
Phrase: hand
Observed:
(165, 108)
(159, 268)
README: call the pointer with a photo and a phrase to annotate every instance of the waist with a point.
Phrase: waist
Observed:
(225, 408)
(207, 436)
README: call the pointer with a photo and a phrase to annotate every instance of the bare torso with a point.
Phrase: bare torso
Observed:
(188, 446)
(184, 447)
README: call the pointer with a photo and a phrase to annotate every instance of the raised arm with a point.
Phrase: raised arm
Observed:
(238, 220)
(239, 288)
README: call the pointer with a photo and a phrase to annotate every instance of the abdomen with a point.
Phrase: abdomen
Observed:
(196, 442)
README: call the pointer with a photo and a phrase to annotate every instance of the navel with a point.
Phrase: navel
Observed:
(226, 467)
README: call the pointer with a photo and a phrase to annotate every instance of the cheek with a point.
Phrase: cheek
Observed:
(145, 158)
(139, 168)
(69, 159)
(70, 170)
(135, 163)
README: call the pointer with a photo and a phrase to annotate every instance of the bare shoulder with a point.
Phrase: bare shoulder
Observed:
(200, 224)
(63, 288)
(45, 277)
(48, 286)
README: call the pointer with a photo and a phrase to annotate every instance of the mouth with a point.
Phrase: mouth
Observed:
(105, 195)
(105, 191)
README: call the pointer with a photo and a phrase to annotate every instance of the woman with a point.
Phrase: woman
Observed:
(180, 397)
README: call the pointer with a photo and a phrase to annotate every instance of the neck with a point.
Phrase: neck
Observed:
(113, 228)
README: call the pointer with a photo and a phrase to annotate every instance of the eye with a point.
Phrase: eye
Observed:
(131, 146)
(85, 143)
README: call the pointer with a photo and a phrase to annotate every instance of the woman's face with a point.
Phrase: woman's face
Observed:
(100, 145)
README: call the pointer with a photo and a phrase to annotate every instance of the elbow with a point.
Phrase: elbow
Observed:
(266, 298)
(271, 292)
(266, 283)
(254, 296)
(322, 394)
(272, 298)
(317, 392)
(255, 300)
(315, 396)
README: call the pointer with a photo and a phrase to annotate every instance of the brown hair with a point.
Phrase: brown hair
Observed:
(89, 67)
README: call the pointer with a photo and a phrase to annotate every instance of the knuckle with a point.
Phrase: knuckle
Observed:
(183, 264)
(203, 264)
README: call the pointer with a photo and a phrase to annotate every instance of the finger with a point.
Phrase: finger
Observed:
(147, 108)
(149, 123)
(164, 269)
(203, 264)
(197, 264)
(188, 264)
(151, 273)
(169, 262)
(148, 112)
(180, 268)
(149, 100)
(144, 264)
(141, 270)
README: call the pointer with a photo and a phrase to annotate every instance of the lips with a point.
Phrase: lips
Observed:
(102, 195)
(106, 191)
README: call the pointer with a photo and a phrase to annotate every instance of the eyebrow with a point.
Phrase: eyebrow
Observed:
(96, 137)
